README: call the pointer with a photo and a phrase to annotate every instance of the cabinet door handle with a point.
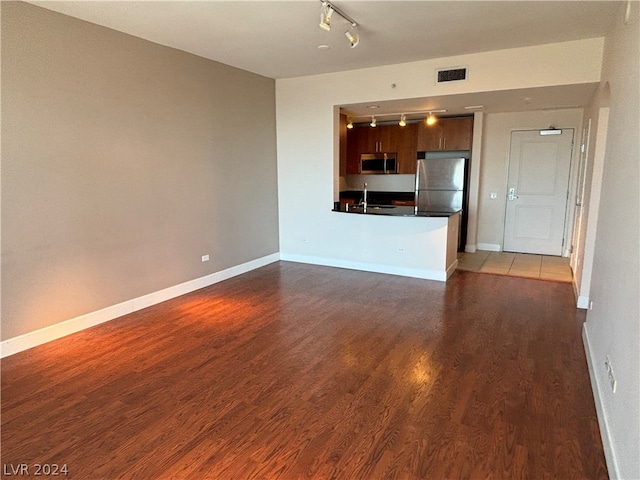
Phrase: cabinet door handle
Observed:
(444, 143)
(440, 143)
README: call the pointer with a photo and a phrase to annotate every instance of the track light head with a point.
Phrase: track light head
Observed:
(325, 16)
(352, 35)
(403, 120)
(373, 121)
(431, 119)
(350, 124)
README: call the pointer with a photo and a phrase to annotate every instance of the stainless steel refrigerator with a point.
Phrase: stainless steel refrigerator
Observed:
(441, 186)
(440, 182)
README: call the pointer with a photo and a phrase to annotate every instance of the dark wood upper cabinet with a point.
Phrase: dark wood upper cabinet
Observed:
(382, 139)
(453, 133)
(407, 138)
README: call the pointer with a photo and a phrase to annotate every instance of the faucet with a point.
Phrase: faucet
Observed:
(364, 198)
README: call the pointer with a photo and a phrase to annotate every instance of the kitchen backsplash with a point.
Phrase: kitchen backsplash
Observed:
(379, 183)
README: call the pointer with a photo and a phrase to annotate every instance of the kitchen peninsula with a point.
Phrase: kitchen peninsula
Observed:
(425, 242)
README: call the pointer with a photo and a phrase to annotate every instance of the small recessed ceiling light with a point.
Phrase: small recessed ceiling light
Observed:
(323, 47)
(373, 106)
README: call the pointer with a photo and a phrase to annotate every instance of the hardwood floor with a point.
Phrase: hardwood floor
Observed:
(297, 371)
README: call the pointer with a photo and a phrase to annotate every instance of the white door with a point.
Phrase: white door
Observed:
(537, 191)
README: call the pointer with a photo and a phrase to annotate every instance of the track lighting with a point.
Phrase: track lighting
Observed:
(327, 10)
(430, 120)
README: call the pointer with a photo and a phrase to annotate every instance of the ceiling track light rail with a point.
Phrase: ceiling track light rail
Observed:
(430, 119)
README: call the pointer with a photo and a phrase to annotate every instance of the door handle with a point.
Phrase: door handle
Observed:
(512, 194)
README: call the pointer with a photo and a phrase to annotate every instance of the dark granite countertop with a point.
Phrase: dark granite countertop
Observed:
(393, 211)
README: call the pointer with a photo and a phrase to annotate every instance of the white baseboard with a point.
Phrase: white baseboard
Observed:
(452, 268)
(17, 344)
(605, 431)
(439, 275)
(470, 248)
(583, 302)
(490, 247)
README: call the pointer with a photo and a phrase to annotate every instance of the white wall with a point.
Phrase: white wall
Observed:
(595, 131)
(308, 155)
(495, 166)
(613, 326)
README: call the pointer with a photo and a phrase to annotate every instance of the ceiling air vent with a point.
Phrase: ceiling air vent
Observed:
(451, 75)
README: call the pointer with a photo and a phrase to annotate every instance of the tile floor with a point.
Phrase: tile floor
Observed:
(526, 265)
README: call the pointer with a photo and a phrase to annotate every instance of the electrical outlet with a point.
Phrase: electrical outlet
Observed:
(493, 195)
(612, 377)
(205, 258)
(401, 249)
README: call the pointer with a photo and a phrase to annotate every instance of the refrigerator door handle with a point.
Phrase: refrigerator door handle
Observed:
(415, 197)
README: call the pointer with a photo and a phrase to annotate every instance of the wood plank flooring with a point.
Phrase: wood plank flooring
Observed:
(296, 371)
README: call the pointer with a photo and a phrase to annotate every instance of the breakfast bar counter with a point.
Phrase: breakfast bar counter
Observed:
(391, 210)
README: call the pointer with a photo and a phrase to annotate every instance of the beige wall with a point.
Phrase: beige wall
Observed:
(123, 162)
(494, 166)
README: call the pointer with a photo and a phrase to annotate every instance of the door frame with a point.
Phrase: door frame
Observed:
(582, 281)
(579, 216)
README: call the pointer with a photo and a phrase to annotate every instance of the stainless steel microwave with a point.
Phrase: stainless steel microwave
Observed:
(383, 163)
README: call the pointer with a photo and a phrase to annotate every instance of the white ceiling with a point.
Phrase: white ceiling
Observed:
(280, 39)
